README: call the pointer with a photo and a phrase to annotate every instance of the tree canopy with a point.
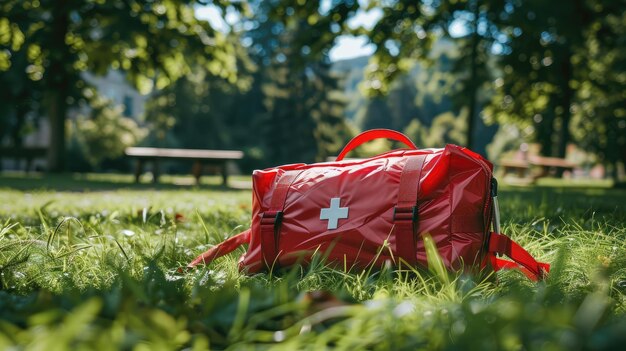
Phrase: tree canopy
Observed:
(539, 63)
(266, 83)
(155, 42)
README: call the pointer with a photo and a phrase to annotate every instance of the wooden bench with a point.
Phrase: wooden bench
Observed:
(548, 165)
(199, 158)
(23, 153)
(519, 167)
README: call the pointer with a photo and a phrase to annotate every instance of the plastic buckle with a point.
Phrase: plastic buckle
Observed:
(405, 213)
(271, 218)
(495, 206)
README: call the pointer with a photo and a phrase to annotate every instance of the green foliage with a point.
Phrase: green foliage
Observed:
(98, 271)
(508, 138)
(21, 101)
(416, 98)
(599, 121)
(537, 70)
(553, 70)
(302, 118)
(553, 61)
(290, 109)
(153, 42)
(374, 114)
(446, 128)
(105, 133)
(312, 28)
(400, 37)
(195, 112)
(417, 95)
(410, 31)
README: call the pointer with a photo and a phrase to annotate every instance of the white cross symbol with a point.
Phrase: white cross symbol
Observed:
(333, 213)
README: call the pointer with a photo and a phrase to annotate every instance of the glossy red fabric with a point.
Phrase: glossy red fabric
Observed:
(503, 245)
(357, 213)
(453, 207)
(225, 247)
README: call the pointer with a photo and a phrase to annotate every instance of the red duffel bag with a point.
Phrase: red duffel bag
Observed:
(347, 210)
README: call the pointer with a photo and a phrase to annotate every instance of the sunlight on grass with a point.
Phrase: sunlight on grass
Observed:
(98, 270)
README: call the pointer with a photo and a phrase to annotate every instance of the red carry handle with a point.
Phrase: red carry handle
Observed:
(219, 250)
(375, 134)
(503, 245)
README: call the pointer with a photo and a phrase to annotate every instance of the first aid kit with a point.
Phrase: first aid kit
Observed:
(362, 212)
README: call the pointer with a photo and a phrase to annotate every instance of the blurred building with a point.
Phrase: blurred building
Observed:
(115, 87)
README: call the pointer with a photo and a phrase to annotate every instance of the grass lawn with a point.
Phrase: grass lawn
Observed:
(89, 262)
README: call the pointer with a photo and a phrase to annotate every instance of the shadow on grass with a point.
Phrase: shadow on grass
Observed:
(78, 182)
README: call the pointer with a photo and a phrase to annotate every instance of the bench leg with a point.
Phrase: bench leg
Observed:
(155, 171)
(545, 171)
(224, 174)
(196, 170)
(29, 165)
(138, 170)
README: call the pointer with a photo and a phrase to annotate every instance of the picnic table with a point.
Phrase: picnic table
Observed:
(548, 166)
(520, 167)
(199, 157)
(551, 165)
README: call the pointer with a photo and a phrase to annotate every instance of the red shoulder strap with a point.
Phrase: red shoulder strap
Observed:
(503, 245)
(270, 225)
(271, 220)
(221, 249)
(405, 214)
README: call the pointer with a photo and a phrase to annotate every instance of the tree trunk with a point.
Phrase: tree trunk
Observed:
(544, 130)
(623, 159)
(57, 109)
(57, 86)
(17, 138)
(566, 101)
(471, 114)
